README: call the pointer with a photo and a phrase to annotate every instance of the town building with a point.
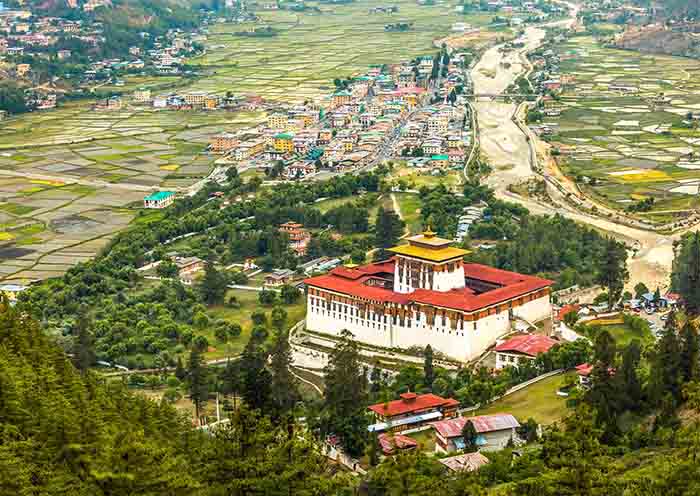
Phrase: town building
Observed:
(521, 349)
(278, 278)
(493, 432)
(160, 199)
(410, 411)
(277, 120)
(284, 142)
(223, 142)
(142, 95)
(299, 237)
(426, 294)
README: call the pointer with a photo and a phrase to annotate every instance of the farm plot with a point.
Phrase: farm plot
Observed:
(312, 49)
(626, 130)
(68, 176)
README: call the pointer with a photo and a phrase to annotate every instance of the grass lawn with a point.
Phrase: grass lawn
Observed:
(409, 203)
(248, 304)
(539, 401)
(622, 333)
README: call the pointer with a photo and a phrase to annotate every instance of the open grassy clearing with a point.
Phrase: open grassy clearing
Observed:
(248, 304)
(633, 145)
(539, 401)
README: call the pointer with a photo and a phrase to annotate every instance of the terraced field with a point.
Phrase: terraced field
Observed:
(312, 49)
(72, 177)
(633, 145)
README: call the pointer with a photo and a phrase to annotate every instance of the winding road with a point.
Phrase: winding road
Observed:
(507, 148)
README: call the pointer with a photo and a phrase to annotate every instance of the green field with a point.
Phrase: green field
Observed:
(632, 146)
(539, 401)
(249, 303)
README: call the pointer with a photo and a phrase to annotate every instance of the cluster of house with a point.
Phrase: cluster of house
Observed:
(470, 216)
(356, 124)
(23, 32)
(547, 76)
(394, 421)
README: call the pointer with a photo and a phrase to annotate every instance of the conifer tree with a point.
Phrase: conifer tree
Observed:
(346, 396)
(469, 434)
(428, 369)
(198, 381)
(612, 270)
(284, 386)
(213, 285)
(257, 380)
(690, 352)
(666, 372)
(84, 343)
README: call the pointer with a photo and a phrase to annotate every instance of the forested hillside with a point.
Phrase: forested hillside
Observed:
(63, 432)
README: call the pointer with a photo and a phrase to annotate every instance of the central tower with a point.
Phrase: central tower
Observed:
(428, 262)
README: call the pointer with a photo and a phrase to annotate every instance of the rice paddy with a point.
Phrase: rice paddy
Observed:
(624, 126)
(73, 176)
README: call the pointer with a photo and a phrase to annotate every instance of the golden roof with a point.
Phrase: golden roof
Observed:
(431, 254)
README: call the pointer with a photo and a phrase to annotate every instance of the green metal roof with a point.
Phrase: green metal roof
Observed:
(283, 136)
(159, 195)
(439, 157)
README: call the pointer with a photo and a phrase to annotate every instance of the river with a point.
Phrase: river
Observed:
(507, 149)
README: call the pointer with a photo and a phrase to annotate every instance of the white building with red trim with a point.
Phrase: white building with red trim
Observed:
(426, 294)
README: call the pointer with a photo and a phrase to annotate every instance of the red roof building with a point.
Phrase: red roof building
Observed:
(520, 348)
(566, 309)
(426, 294)
(390, 443)
(493, 431)
(298, 237)
(412, 404)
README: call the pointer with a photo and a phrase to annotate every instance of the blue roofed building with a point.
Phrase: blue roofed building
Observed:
(159, 199)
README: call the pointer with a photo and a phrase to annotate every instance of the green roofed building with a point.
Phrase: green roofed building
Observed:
(159, 199)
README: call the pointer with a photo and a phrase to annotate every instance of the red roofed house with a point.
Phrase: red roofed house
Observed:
(426, 294)
(298, 237)
(390, 443)
(493, 432)
(520, 348)
(584, 374)
(410, 410)
(565, 310)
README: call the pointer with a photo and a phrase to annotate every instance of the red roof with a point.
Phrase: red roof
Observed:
(411, 403)
(509, 285)
(482, 423)
(584, 369)
(527, 344)
(389, 442)
(567, 309)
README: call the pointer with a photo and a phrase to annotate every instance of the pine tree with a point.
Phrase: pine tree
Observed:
(470, 435)
(257, 381)
(84, 344)
(603, 394)
(612, 270)
(686, 273)
(428, 366)
(630, 386)
(666, 372)
(198, 381)
(388, 228)
(346, 396)
(213, 286)
(284, 386)
(690, 352)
